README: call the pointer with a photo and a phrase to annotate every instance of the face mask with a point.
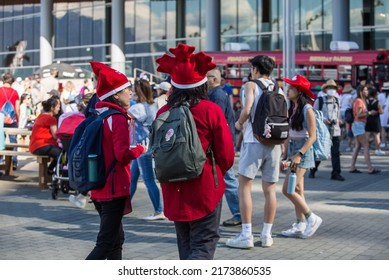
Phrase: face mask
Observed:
(331, 92)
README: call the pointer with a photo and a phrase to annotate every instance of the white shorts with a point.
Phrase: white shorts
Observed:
(256, 156)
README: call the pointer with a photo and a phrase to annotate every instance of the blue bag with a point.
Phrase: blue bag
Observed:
(87, 143)
(323, 143)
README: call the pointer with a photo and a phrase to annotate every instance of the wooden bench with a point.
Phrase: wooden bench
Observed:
(44, 177)
(10, 146)
(9, 152)
(17, 131)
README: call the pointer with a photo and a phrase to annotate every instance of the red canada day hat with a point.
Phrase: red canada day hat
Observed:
(109, 81)
(301, 84)
(187, 70)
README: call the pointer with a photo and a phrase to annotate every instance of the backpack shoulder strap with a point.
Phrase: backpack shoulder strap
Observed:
(276, 88)
(321, 101)
(6, 95)
(110, 112)
(260, 84)
(305, 109)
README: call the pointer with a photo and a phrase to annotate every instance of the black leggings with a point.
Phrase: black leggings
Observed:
(51, 151)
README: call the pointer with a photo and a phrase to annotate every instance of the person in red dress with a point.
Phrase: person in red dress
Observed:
(43, 140)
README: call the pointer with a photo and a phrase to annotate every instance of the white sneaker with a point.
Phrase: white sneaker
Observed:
(266, 241)
(241, 242)
(296, 230)
(79, 200)
(379, 153)
(155, 216)
(312, 225)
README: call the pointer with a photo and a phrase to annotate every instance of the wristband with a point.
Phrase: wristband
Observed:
(300, 153)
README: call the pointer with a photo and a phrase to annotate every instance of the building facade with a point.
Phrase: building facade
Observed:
(81, 31)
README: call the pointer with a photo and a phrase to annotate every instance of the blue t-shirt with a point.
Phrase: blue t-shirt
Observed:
(218, 96)
(228, 89)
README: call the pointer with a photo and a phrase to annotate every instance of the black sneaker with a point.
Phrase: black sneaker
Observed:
(337, 177)
(14, 166)
(311, 174)
(232, 222)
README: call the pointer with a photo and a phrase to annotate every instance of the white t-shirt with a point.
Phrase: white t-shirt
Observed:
(346, 101)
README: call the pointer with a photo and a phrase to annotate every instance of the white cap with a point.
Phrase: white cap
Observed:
(18, 79)
(164, 86)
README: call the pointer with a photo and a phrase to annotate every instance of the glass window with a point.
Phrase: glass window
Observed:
(202, 23)
(7, 39)
(158, 25)
(314, 72)
(310, 19)
(274, 73)
(99, 19)
(193, 23)
(73, 36)
(171, 23)
(129, 19)
(276, 14)
(245, 70)
(222, 68)
(142, 21)
(381, 13)
(356, 13)
(158, 20)
(228, 21)
(330, 72)
(344, 72)
(247, 17)
(233, 71)
(301, 70)
(60, 22)
(364, 72)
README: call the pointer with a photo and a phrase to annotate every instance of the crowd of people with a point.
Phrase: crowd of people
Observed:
(195, 205)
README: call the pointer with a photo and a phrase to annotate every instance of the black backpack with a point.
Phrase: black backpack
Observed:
(87, 170)
(175, 146)
(270, 123)
(349, 115)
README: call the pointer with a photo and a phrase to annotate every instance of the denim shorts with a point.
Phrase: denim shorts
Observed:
(358, 128)
(307, 160)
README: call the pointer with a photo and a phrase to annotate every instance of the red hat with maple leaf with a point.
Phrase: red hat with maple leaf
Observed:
(186, 69)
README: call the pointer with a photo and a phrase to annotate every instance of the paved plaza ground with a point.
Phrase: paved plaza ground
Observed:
(355, 226)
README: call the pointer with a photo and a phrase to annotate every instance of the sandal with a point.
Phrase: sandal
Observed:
(375, 171)
(355, 171)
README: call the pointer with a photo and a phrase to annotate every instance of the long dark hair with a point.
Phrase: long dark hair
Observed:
(190, 95)
(297, 119)
(50, 103)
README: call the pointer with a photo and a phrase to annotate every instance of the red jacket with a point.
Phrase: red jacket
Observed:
(116, 144)
(194, 199)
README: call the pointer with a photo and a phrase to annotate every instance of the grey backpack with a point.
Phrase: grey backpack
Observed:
(175, 146)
